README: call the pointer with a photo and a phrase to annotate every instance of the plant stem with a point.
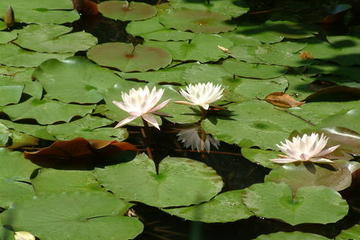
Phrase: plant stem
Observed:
(146, 136)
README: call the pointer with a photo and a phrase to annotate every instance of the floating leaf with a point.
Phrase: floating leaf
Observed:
(80, 215)
(179, 181)
(126, 11)
(203, 48)
(49, 181)
(10, 94)
(30, 129)
(88, 127)
(352, 233)
(291, 236)
(128, 58)
(14, 139)
(6, 37)
(260, 156)
(77, 153)
(12, 55)
(297, 176)
(313, 204)
(91, 80)
(53, 39)
(225, 207)
(151, 29)
(46, 111)
(335, 94)
(198, 21)
(348, 140)
(281, 99)
(206, 73)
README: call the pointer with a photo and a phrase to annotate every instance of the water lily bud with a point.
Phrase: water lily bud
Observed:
(22, 235)
(9, 17)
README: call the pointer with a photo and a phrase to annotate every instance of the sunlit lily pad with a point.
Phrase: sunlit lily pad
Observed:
(345, 118)
(46, 111)
(49, 181)
(12, 55)
(128, 58)
(15, 169)
(198, 21)
(89, 215)
(206, 73)
(180, 181)
(297, 176)
(203, 48)
(352, 233)
(225, 207)
(30, 129)
(10, 93)
(54, 39)
(313, 204)
(151, 29)
(233, 8)
(126, 10)
(260, 156)
(91, 80)
(88, 127)
(6, 37)
(291, 236)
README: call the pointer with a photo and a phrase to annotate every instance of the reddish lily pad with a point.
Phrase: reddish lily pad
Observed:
(129, 58)
(198, 21)
(126, 11)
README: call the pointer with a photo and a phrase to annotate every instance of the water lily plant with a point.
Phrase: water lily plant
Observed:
(142, 102)
(201, 94)
(308, 148)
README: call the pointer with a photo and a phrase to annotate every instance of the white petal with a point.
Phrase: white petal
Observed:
(151, 119)
(283, 160)
(160, 106)
(125, 121)
(327, 151)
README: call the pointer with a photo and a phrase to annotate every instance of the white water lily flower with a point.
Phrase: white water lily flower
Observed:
(141, 102)
(22, 235)
(201, 94)
(308, 148)
(191, 138)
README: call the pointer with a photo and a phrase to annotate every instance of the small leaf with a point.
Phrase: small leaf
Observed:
(281, 99)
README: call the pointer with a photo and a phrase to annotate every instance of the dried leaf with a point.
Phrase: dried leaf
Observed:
(305, 55)
(77, 153)
(281, 99)
(86, 7)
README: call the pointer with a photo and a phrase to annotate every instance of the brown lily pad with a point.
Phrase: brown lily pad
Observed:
(335, 94)
(198, 21)
(126, 11)
(281, 99)
(129, 58)
(78, 153)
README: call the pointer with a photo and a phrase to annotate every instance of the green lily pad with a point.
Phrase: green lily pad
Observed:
(233, 8)
(6, 37)
(345, 118)
(257, 123)
(128, 58)
(291, 236)
(297, 176)
(10, 94)
(49, 181)
(2, 25)
(151, 29)
(315, 204)
(30, 129)
(225, 207)
(260, 156)
(77, 215)
(88, 127)
(198, 21)
(12, 55)
(14, 139)
(248, 70)
(46, 111)
(54, 39)
(180, 181)
(91, 80)
(14, 171)
(203, 48)
(126, 11)
(352, 233)
(206, 73)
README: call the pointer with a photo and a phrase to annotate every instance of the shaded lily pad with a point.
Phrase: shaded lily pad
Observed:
(345, 118)
(6, 37)
(180, 181)
(91, 80)
(15, 169)
(12, 55)
(88, 127)
(203, 48)
(53, 39)
(198, 21)
(13, 139)
(46, 111)
(260, 156)
(126, 11)
(49, 181)
(291, 236)
(225, 207)
(151, 29)
(352, 233)
(313, 204)
(81, 215)
(233, 8)
(30, 129)
(297, 176)
(128, 58)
